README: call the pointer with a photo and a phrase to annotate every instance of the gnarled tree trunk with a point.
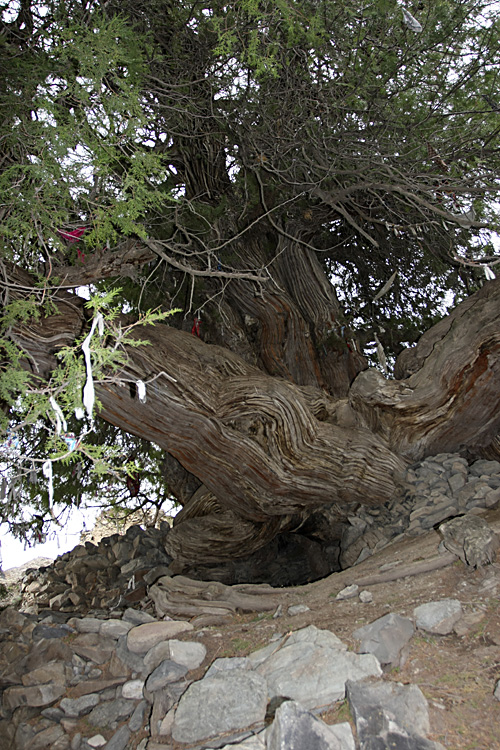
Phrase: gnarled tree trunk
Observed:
(277, 433)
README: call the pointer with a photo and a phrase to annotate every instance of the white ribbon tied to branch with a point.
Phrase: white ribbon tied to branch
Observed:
(60, 421)
(88, 390)
(141, 391)
(47, 473)
(411, 22)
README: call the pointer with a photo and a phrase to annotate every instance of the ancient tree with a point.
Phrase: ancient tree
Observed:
(307, 184)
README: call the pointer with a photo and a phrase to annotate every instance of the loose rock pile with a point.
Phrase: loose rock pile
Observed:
(94, 659)
(79, 683)
(119, 570)
(106, 576)
(436, 489)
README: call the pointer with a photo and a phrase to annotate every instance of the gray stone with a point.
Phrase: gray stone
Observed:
(93, 647)
(156, 655)
(226, 663)
(223, 703)
(50, 631)
(294, 727)
(36, 695)
(166, 672)
(188, 654)
(478, 468)
(136, 617)
(74, 707)
(313, 674)
(106, 713)
(372, 703)
(399, 740)
(143, 637)
(471, 538)
(297, 609)
(437, 515)
(96, 741)
(255, 742)
(438, 617)
(349, 592)
(46, 738)
(119, 741)
(456, 481)
(139, 716)
(496, 692)
(133, 689)
(55, 672)
(365, 597)
(385, 638)
(115, 628)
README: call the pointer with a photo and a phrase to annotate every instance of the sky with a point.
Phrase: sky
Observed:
(14, 552)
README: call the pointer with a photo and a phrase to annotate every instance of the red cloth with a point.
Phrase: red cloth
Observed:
(74, 235)
(195, 330)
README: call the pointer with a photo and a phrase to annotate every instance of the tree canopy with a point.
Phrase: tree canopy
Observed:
(307, 185)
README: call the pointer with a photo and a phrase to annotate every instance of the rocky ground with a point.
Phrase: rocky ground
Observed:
(458, 672)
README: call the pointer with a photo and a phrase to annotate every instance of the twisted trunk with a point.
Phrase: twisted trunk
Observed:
(267, 451)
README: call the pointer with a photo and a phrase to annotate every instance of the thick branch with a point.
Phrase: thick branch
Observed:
(447, 396)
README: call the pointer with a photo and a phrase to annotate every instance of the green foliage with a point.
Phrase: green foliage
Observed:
(328, 124)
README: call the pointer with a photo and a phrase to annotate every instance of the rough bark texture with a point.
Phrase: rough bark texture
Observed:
(266, 451)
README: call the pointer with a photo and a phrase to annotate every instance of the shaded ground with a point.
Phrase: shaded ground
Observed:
(457, 673)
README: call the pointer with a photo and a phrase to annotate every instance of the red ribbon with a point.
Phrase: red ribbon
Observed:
(74, 235)
(195, 330)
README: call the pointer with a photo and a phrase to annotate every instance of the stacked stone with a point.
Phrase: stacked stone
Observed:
(116, 572)
(445, 486)
(120, 683)
(435, 489)
(99, 577)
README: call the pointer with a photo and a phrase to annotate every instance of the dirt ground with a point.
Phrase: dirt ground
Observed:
(457, 673)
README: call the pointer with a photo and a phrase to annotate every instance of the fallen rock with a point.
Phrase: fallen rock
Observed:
(471, 539)
(385, 638)
(294, 727)
(438, 617)
(226, 702)
(143, 637)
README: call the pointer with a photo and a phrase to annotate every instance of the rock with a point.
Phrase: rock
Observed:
(55, 672)
(438, 617)
(167, 671)
(294, 727)
(96, 741)
(188, 654)
(74, 707)
(223, 703)
(307, 669)
(372, 703)
(297, 609)
(119, 741)
(139, 716)
(133, 690)
(224, 664)
(496, 692)
(385, 638)
(349, 592)
(115, 628)
(470, 538)
(37, 695)
(365, 597)
(105, 714)
(481, 467)
(143, 637)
